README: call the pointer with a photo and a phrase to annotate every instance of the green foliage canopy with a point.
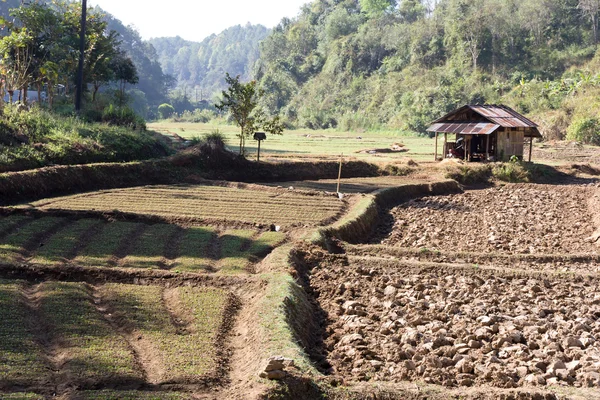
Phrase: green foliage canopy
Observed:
(241, 101)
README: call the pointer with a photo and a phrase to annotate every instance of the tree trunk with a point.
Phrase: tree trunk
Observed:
(11, 93)
(96, 87)
(493, 54)
(39, 91)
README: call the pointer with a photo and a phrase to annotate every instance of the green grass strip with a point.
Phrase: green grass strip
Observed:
(130, 395)
(8, 223)
(62, 244)
(95, 352)
(149, 249)
(21, 396)
(105, 244)
(13, 245)
(187, 354)
(194, 249)
(21, 360)
(233, 258)
(265, 243)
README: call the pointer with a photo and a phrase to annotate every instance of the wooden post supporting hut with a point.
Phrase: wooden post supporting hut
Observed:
(485, 133)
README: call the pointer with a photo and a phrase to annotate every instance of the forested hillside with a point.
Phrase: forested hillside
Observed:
(202, 65)
(368, 63)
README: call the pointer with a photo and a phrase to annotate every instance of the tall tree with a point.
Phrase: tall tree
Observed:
(241, 101)
(591, 8)
(374, 8)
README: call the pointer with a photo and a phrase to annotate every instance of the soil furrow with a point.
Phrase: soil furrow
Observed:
(180, 318)
(143, 351)
(53, 350)
(214, 251)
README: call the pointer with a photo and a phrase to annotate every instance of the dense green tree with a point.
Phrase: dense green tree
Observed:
(374, 8)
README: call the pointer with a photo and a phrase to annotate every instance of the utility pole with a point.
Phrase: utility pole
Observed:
(79, 93)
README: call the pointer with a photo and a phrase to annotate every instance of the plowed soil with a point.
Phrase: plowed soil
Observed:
(454, 327)
(514, 219)
(493, 288)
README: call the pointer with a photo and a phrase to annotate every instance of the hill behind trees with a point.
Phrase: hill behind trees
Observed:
(200, 67)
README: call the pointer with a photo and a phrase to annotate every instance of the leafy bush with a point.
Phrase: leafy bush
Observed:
(123, 116)
(215, 139)
(196, 116)
(513, 172)
(165, 110)
(585, 130)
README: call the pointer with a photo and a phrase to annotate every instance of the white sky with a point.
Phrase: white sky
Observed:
(197, 19)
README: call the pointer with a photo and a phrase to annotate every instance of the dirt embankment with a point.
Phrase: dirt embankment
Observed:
(391, 322)
(515, 219)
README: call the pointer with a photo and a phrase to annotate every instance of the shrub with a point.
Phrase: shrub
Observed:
(165, 110)
(585, 130)
(513, 172)
(215, 139)
(123, 116)
(469, 174)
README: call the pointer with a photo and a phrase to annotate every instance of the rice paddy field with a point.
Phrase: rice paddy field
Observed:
(58, 334)
(311, 144)
(97, 307)
(87, 242)
(207, 203)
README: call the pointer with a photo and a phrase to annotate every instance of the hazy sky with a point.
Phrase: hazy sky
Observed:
(196, 19)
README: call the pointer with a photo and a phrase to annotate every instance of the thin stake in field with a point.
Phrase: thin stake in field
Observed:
(340, 174)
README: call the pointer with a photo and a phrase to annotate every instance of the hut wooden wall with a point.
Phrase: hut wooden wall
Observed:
(510, 143)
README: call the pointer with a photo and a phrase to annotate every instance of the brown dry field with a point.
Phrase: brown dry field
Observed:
(494, 288)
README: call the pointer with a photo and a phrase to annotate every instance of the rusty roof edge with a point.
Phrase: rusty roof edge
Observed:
(439, 120)
(512, 112)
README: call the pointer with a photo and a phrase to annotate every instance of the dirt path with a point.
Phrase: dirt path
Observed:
(53, 350)
(146, 356)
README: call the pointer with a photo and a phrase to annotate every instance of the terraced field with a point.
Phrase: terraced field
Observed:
(207, 203)
(57, 334)
(494, 288)
(89, 242)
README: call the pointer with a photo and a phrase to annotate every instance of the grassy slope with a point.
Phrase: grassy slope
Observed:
(33, 139)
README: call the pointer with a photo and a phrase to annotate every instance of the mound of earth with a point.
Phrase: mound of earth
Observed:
(514, 219)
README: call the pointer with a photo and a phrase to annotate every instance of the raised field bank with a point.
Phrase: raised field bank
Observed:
(190, 278)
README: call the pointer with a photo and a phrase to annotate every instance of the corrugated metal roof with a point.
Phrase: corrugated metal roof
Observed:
(465, 128)
(504, 116)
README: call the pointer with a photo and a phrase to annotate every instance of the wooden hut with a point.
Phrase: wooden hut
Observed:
(485, 133)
